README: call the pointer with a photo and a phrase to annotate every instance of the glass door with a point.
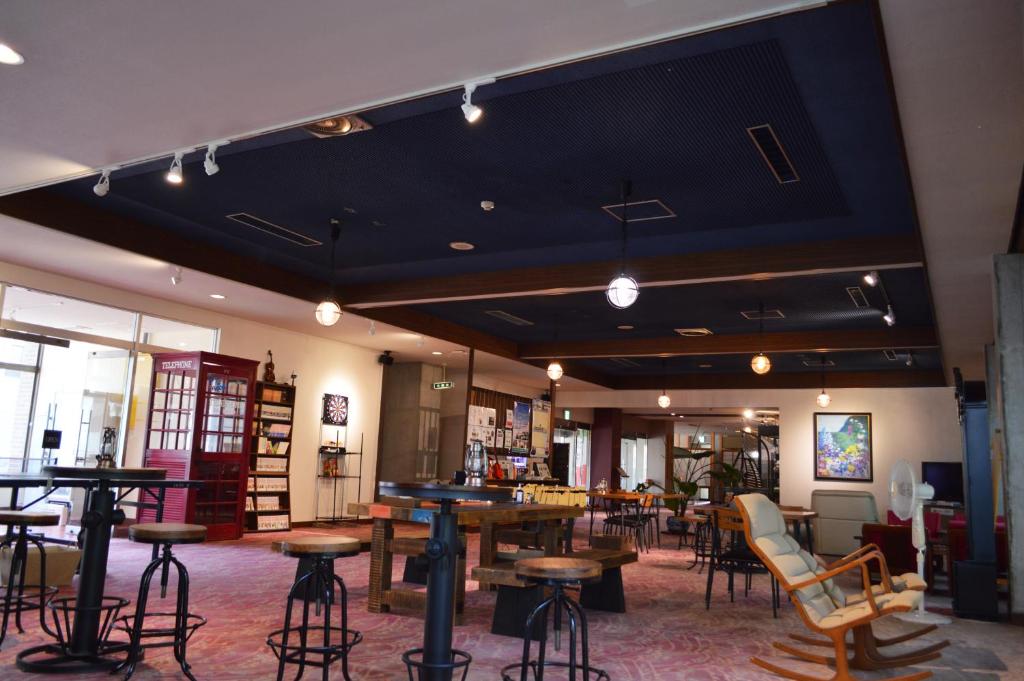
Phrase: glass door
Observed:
(19, 370)
(579, 464)
(222, 448)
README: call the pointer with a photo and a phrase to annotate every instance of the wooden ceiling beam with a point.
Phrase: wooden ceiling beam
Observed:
(428, 325)
(907, 378)
(903, 338)
(761, 262)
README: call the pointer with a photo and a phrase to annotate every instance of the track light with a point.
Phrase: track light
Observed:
(555, 370)
(470, 110)
(176, 278)
(871, 278)
(210, 162)
(889, 317)
(102, 186)
(174, 174)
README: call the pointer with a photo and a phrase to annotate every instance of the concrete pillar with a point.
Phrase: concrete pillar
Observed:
(606, 447)
(1009, 318)
(410, 423)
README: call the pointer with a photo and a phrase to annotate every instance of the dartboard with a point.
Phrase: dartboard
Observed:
(335, 410)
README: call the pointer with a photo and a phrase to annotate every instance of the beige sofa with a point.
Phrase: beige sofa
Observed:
(841, 515)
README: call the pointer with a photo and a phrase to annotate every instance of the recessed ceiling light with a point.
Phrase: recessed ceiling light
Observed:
(218, 296)
(437, 352)
(10, 56)
(461, 246)
(624, 327)
(704, 366)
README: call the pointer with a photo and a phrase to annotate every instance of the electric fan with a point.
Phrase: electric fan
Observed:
(906, 499)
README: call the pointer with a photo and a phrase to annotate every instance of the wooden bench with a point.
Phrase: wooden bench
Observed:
(517, 598)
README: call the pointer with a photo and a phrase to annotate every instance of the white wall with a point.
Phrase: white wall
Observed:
(917, 424)
(322, 365)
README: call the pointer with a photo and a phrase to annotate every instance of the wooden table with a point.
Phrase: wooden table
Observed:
(797, 518)
(488, 517)
(625, 497)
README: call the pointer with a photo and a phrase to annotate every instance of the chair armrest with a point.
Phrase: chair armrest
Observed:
(856, 563)
(852, 555)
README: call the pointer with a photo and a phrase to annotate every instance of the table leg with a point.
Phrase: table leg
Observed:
(810, 535)
(570, 527)
(552, 528)
(443, 550)
(657, 520)
(380, 565)
(96, 527)
(488, 549)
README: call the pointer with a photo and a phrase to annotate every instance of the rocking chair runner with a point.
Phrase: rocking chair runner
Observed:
(824, 607)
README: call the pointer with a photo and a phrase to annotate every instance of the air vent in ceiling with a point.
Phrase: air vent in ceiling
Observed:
(857, 296)
(624, 362)
(693, 333)
(640, 211)
(774, 313)
(510, 318)
(773, 154)
(276, 230)
(337, 126)
(890, 355)
(812, 361)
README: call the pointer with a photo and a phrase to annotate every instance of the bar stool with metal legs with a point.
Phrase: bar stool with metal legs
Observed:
(15, 598)
(164, 535)
(330, 642)
(556, 573)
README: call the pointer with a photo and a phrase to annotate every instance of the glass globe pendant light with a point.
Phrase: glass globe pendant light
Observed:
(760, 362)
(623, 290)
(555, 371)
(328, 311)
(824, 399)
(664, 401)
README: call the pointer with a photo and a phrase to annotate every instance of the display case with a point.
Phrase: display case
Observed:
(201, 405)
(268, 493)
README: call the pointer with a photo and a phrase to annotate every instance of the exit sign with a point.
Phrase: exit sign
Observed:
(444, 385)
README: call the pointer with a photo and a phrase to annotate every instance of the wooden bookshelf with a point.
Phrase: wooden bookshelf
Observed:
(268, 494)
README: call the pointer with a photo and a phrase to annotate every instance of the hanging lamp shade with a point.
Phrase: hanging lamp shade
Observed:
(328, 312)
(664, 401)
(760, 363)
(622, 291)
(555, 370)
(824, 399)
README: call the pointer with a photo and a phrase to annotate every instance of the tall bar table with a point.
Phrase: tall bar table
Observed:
(438, 659)
(84, 651)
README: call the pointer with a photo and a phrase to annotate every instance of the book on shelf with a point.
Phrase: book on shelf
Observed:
(271, 411)
(272, 484)
(267, 464)
(272, 522)
(268, 503)
(250, 485)
(278, 430)
(248, 503)
(275, 394)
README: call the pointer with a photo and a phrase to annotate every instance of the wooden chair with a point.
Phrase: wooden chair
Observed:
(824, 607)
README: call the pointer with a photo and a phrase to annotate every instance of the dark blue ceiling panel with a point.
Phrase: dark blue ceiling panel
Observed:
(807, 303)
(551, 150)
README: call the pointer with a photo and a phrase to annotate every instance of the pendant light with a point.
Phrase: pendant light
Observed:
(328, 312)
(824, 399)
(622, 291)
(664, 401)
(760, 362)
(555, 370)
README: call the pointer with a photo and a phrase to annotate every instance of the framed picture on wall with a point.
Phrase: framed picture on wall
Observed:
(842, 447)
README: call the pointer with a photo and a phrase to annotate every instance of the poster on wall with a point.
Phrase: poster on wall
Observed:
(842, 447)
(541, 427)
(520, 427)
(508, 419)
(499, 438)
(482, 425)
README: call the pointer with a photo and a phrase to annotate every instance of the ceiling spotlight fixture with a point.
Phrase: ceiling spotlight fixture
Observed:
(871, 278)
(102, 186)
(174, 174)
(177, 277)
(437, 352)
(470, 110)
(890, 316)
(760, 362)
(10, 56)
(461, 246)
(623, 290)
(373, 328)
(748, 413)
(328, 312)
(210, 162)
(555, 370)
(488, 206)
(218, 296)
(824, 399)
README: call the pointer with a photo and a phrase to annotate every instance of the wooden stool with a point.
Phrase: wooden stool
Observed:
(556, 573)
(15, 598)
(316, 586)
(163, 535)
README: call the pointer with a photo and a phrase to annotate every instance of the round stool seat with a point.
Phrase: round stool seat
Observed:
(37, 518)
(167, 533)
(324, 545)
(558, 569)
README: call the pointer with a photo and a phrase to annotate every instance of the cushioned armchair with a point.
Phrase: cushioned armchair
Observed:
(824, 607)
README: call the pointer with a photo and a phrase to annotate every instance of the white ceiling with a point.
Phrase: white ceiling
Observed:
(107, 82)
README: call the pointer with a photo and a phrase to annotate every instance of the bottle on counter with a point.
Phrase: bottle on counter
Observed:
(519, 494)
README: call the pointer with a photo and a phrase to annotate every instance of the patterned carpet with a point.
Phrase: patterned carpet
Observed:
(666, 634)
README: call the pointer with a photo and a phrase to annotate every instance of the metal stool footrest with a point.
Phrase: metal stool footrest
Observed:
(295, 653)
(30, 596)
(513, 672)
(460, 660)
(65, 608)
(192, 623)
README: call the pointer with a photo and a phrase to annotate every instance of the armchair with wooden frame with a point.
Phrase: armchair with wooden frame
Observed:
(825, 608)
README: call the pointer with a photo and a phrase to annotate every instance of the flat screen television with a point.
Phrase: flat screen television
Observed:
(946, 477)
